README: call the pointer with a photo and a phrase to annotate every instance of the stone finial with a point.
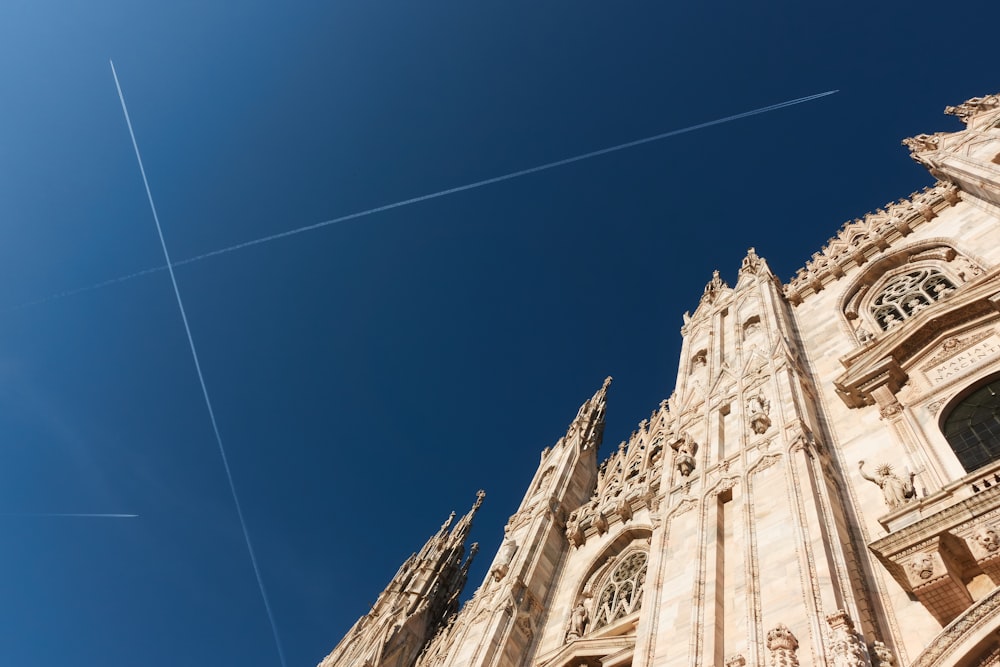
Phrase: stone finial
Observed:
(782, 644)
(751, 263)
(971, 108)
(713, 287)
(736, 660)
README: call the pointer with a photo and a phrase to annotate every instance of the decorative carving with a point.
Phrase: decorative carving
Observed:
(971, 108)
(574, 533)
(751, 263)
(922, 566)
(922, 143)
(982, 613)
(858, 240)
(737, 659)
(621, 595)
(685, 448)
(952, 346)
(987, 538)
(714, 286)
(883, 655)
(782, 644)
(907, 294)
(624, 508)
(758, 409)
(600, 522)
(895, 490)
(579, 619)
(845, 646)
(891, 410)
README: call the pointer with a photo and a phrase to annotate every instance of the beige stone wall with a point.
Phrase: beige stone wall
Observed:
(765, 544)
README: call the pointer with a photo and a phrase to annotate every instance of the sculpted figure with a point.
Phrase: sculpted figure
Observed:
(578, 621)
(895, 490)
(574, 533)
(686, 448)
(758, 408)
(504, 556)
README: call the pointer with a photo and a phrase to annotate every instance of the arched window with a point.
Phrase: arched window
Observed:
(622, 592)
(907, 294)
(972, 428)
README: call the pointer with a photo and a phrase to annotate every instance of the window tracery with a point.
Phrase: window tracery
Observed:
(622, 592)
(905, 295)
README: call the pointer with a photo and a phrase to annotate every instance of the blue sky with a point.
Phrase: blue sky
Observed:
(369, 377)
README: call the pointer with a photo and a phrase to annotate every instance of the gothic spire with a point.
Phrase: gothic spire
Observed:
(415, 604)
(589, 423)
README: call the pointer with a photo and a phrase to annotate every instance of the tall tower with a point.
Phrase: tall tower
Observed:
(415, 605)
(752, 556)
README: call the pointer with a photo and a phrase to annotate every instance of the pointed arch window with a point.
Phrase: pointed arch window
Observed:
(622, 592)
(972, 427)
(909, 293)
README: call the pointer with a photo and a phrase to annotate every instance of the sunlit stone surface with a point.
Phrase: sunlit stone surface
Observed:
(737, 526)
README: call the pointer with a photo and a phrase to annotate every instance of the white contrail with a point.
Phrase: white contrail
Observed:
(201, 376)
(68, 514)
(433, 195)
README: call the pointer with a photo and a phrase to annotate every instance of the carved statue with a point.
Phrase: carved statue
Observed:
(578, 621)
(504, 556)
(686, 449)
(574, 533)
(758, 408)
(895, 490)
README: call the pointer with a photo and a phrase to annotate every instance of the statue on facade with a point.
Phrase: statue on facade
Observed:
(578, 620)
(758, 408)
(686, 449)
(504, 556)
(895, 490)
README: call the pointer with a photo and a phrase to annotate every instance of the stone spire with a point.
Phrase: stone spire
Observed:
(415, 604)
(587, 428)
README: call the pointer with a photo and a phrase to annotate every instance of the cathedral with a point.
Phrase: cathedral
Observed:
(822, 487)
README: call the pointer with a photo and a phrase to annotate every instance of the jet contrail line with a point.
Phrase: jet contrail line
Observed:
(433, 195)
(201, 376)
(69, 514)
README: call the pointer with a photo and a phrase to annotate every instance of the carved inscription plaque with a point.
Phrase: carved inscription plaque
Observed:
(964, 359)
